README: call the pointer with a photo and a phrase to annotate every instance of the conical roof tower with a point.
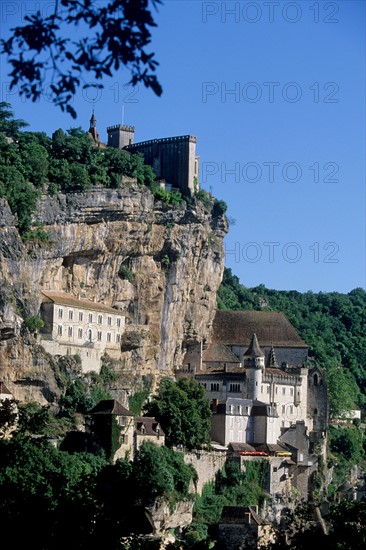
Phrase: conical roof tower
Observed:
(254, 356)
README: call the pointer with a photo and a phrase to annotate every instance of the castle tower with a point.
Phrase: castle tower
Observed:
(253, 362)
(93, 132)
(120, 136)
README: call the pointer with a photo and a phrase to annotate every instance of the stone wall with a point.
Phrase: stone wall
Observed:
(173, 159)
(206, 464)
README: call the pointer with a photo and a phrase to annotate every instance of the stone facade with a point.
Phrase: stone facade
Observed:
(173, 159)
(78, 326)
(242, 527)
(207, 465)
(259, 402)
(133, 430)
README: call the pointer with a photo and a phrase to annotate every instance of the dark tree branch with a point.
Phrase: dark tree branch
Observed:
(121, 34)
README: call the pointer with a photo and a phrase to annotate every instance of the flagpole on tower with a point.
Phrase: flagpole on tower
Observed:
(123, 114)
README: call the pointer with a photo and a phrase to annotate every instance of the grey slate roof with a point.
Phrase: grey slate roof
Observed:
(237, 515)
(110, 406)
(254, 350)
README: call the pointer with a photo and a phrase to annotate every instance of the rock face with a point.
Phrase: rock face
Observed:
(172, 258)
(163, 517)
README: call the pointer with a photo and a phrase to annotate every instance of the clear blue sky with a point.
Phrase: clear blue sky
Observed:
(275, 93)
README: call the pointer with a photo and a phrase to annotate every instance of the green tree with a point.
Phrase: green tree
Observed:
(161, 471)
(348, 520)
(183, 412)
(8, 416)
(110, 36)
(33, 419)
(47, 496)
(8, 125)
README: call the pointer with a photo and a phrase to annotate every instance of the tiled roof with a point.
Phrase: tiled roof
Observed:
(272, 448)
(254, 350)
(4, 389)
(271, 328)
(238, 515)
(219, 353)
(64, 299)
(241, 447)
(110, 406)
(150, 424)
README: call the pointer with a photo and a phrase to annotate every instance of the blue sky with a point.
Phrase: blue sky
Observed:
(275, 93)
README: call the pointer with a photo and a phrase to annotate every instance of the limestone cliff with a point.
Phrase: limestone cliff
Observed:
(175, 256)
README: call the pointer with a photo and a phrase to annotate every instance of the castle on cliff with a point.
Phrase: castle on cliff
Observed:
(173, 159)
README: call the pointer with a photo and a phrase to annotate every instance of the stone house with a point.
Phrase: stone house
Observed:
(242, 527)
(147, 428)
(74, 326)
(99, 424)
(133, 430)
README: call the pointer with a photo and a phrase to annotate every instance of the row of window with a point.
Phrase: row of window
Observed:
(91, 317)
(236, 388)
(276, 391)
(89, 334)
(239, 409)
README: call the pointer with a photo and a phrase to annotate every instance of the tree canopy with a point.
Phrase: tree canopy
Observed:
(44, 58)
(183, 411)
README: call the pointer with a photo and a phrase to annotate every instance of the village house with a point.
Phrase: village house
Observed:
(243, 527)
(133, 430)
(74, 326)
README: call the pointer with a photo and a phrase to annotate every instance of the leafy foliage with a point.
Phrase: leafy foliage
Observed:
(346, 522)
(183, 412)
(109, 36)
(331, 323)
(232, 487)
(31, 163)
(33, 323)
(161, 471)
(8, 416)
(47, 496)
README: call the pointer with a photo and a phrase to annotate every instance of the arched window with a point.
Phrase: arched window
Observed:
(90, 335)
(315, 379)
(315, 412)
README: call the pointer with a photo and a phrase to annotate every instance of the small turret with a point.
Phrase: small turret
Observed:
(272, 359)
(253, 361)
(93, 132)
(254, 356)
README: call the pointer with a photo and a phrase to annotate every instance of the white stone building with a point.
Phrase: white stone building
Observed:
(80, 327)
(256, 377)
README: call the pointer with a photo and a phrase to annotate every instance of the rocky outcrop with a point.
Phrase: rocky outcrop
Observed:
(172, 263)
(163, 516)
